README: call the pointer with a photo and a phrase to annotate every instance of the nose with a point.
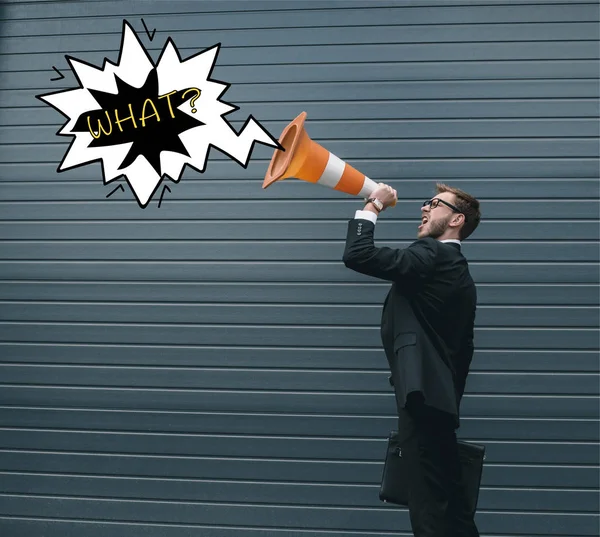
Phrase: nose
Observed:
(426, 208)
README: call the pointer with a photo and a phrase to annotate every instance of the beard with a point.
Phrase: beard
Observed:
(436, 228)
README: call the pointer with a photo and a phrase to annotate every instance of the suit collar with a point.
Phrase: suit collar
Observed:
(453, 242)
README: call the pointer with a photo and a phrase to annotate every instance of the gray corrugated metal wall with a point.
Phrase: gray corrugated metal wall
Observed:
(209, 367)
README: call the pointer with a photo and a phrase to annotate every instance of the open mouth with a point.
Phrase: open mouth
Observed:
(424, 221)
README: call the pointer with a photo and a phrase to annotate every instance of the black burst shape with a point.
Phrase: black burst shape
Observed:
(151, 121)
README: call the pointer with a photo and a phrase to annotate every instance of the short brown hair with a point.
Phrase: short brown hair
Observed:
(466, 204)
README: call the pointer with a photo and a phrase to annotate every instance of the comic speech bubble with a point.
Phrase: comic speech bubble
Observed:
(146, 121)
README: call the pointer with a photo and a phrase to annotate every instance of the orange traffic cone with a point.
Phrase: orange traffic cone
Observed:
(307, 160)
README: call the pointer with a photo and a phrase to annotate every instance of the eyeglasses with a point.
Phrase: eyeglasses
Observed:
(436, 201)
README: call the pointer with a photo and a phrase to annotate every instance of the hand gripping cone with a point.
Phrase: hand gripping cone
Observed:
(307, 160)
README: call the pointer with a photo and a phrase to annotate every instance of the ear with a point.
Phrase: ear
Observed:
(457, 220)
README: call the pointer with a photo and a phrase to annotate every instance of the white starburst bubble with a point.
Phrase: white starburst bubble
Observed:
(186, 104)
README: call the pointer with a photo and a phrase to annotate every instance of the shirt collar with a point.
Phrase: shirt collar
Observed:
(455, 241)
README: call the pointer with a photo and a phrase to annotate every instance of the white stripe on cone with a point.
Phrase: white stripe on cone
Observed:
(368, 187)
(333, 171)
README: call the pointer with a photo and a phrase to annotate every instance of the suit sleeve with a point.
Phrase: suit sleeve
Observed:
(412, 265)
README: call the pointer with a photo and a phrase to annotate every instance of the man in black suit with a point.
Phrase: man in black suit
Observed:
(427, 334)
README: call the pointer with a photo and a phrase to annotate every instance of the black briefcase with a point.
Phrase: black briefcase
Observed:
(394, 485)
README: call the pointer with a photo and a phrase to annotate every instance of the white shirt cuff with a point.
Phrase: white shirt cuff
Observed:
(366, 215)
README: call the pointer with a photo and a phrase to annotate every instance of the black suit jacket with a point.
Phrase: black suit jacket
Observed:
(428, 315)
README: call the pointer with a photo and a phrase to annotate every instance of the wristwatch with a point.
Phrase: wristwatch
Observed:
(376, 203)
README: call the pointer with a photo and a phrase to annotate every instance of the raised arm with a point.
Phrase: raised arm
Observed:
(411, 265)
